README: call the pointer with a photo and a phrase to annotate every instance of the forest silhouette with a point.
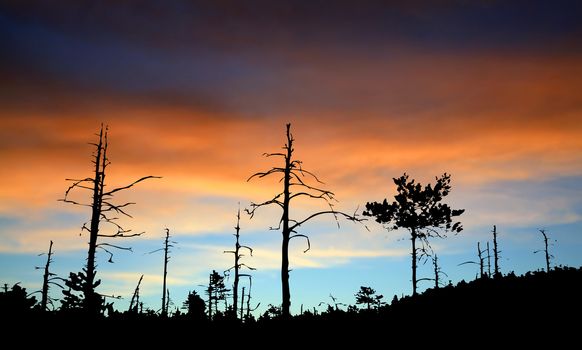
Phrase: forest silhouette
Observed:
(493, 299)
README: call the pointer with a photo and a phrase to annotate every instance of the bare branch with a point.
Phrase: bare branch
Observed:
(333, 212)
(307, 238)
(131, 184)
(117, 208)
(113, 246)
(274, 154)
(320, 196)
(247, 247)
(73, 202)
(255, 206)
(303, 172)
(266, 173)
(247, 266)
(77, 183)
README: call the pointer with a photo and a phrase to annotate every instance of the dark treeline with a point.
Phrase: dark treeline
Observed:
(506, 304)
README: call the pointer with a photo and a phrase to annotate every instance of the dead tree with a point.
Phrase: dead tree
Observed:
(481, 261)
(495, 252)
(295, 185)
(167, 245)
(48, 279)
(135, 297)
(546, 250)
(488, 260)
(242, 303)
(237, 264)
(249, 309)
(166, 258)
(437, 272)
(102, 209)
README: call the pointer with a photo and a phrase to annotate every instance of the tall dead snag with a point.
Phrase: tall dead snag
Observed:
(48, 279)
(495, 252)
(294, 179)
(419, 210)
(167, 245)
(488, 260)
(166, 259)
(237, 264)
(102, 209)
(546, 251)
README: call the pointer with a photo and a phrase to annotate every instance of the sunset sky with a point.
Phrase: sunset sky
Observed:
(196, 92)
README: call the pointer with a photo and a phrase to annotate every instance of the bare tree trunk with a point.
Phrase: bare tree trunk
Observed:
(242, 303)
(436, 272)
(236, 266)
(293, 174)
(101, 205)
(210, 297)
(286, 232)
(488, 260)
(164, 306)
(547, 254)
(481, 260)
(413, 239)
(543, 232)
(100, 164)
(45, 280)
(495, 252)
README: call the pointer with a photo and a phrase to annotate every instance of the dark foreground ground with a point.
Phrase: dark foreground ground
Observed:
(535, 309)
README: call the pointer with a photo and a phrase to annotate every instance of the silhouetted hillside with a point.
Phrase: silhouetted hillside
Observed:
(537, 303)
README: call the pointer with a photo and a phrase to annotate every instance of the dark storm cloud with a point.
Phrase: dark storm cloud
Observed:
(223, 54)
(231, 23)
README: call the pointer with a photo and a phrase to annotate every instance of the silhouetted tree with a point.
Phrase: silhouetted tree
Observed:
(133, 304)
(15, 302)
(166, 249)
(367, 296)
(420, 211)
(271, 313)
(293, 176)
(48, 279)
(495, 252)
(249, 309)
(216, 291)
(481, 261)
(546, 251)
(72, 301)
(488, 260)
(237, 264)
(101, 209)
(195, 306)
(437, 271)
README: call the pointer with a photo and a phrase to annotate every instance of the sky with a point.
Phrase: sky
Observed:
(197, 91)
